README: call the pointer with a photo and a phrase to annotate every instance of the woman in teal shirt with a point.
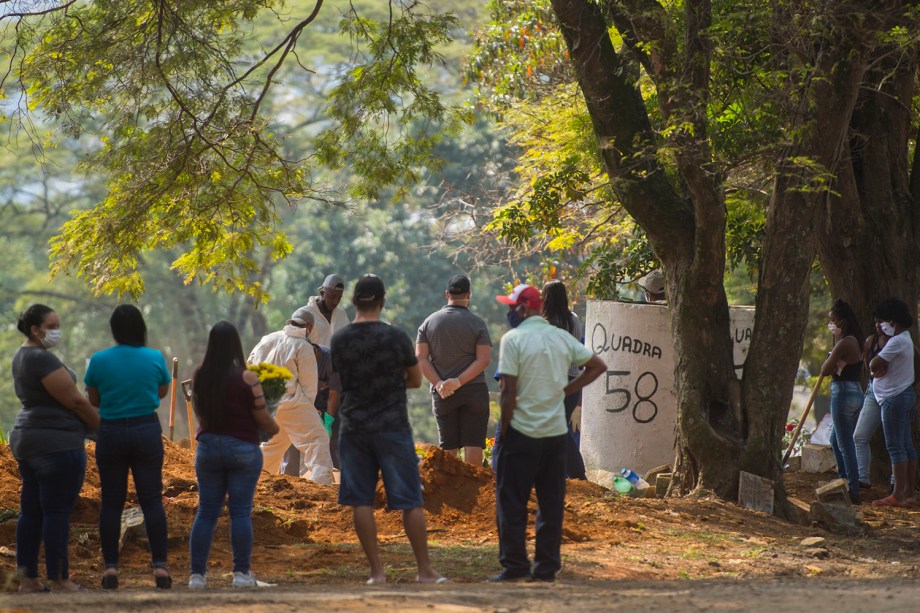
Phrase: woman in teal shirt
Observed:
(127, 382)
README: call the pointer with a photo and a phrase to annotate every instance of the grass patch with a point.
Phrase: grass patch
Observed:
(694, 555)
(703, 537)
(463, 563)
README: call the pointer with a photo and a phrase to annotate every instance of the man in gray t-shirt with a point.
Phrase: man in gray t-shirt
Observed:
(453, 349)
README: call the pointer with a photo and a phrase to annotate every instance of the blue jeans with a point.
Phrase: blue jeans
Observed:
(870, 418)
(574, 463)
(50, 486)
(898, 414)
(134, 444)
(522, 464)
(846, 400)
(227, 468)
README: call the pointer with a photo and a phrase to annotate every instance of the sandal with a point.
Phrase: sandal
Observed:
(888, 501)
(437, 581)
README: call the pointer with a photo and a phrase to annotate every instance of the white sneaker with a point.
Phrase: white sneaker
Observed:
(244, 580)
(197, 582)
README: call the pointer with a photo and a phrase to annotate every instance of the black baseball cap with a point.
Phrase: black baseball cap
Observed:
(458, 284)
(369, 288)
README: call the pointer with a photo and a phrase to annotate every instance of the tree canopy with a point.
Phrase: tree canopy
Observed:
(170, 98)
(398, 235)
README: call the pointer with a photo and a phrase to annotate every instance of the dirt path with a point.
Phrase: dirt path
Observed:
(628, 595)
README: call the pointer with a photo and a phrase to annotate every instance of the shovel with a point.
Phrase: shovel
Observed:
(798, 429)
(172, 398)
(187, 392)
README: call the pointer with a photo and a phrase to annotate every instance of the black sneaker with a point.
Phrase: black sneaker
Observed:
(510, 577)
(865, 486)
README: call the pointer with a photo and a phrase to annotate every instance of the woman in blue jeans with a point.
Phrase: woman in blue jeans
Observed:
(870, 415)
(231, 411)
(127, 382)
(892, 371)
(844, 365)
(47, 440)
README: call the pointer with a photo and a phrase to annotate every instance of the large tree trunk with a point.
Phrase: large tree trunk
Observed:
(686, 232)
(867, 234)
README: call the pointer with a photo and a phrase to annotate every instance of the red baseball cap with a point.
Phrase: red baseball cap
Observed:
(523, 294)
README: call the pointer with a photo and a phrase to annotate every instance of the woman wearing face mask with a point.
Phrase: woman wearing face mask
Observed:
(893, 384)
(47, 441)
(844, 365)
(870, 416)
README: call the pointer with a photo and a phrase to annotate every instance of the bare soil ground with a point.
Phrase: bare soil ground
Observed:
(618, 552)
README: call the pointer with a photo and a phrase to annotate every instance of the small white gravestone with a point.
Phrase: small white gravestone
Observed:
(629, 414)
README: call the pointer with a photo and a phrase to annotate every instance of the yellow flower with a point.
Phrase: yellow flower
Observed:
(273, 379)
(267, 371)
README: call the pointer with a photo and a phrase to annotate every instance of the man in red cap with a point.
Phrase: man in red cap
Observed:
(534, 359)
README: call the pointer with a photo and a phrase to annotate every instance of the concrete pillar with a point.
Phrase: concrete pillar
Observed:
(629, 414)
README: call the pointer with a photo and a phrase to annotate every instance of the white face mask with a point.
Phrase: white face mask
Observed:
(52, 338)
(887, 328)
(833, 328)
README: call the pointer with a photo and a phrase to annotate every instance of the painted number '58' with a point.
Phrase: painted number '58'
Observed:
(645, 409)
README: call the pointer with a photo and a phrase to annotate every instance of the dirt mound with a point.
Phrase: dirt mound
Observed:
(302, 534)
(457, 496)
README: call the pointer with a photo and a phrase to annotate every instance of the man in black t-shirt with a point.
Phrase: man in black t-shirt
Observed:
(376, 363)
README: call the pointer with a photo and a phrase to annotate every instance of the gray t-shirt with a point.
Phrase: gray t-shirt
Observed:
(43, 425)
(452, 335)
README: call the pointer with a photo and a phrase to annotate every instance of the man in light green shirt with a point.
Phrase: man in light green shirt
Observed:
(530, 451)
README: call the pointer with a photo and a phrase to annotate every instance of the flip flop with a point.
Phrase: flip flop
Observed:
(437, 581)
(889, 501)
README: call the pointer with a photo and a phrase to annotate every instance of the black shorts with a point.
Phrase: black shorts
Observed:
(463, 418)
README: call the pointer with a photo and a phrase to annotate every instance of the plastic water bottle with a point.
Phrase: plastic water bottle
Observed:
(622, 485)
(630, 476)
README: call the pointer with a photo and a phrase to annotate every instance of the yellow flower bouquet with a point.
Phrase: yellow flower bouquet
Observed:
(274, 382)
